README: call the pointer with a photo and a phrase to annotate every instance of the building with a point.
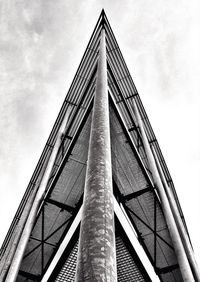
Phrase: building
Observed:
(101, 145)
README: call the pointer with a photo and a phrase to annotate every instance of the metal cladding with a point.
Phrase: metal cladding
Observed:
(97, 255)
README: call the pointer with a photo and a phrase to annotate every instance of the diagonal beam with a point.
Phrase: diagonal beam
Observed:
(68, 152)
(133, 213)
(23, 241)
(129, 139)
(130, 232)
(60, 205)
(173, 230)
(62, 246)
(29, 276)
(47, 238)
(179, 222)
(137, 194)
(167, 269)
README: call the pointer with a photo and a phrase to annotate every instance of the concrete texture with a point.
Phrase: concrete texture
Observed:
(97, 254)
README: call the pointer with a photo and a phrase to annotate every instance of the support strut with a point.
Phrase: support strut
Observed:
(97, 254)
(18, 256)
(176, 239)
(179, 222)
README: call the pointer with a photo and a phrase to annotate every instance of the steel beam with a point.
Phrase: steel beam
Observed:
(60, 205)
(167, 269)
(129, 139)
(131, 234)
(149, 227)
(62, 246)
(97, 254)
(137, 194)
(29, 276)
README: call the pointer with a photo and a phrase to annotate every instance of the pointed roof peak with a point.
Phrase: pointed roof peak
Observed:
(102, 15)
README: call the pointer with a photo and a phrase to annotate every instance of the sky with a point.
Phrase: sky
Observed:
(41, 45)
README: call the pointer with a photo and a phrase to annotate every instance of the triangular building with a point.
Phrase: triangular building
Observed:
(101, 205)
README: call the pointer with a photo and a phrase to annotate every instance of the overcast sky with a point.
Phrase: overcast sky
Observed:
(41, 45)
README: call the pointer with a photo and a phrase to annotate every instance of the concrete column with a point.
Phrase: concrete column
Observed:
(97, 254)
(176, 239)
(23, 240)
(11, 249)
(179, 222)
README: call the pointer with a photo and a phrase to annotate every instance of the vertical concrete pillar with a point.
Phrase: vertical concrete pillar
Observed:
(97, 255)
(176, 239)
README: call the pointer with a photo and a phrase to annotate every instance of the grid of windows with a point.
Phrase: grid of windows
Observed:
(68, 270)
(127, 270)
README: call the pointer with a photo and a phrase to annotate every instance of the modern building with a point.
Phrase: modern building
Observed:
(101, 204)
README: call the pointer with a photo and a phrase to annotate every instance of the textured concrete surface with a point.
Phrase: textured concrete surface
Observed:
(97, 255)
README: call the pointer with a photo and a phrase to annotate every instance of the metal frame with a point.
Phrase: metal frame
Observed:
(48, 276)
(53, 179)
(122, 217)
(126, 232)
(123, 199)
